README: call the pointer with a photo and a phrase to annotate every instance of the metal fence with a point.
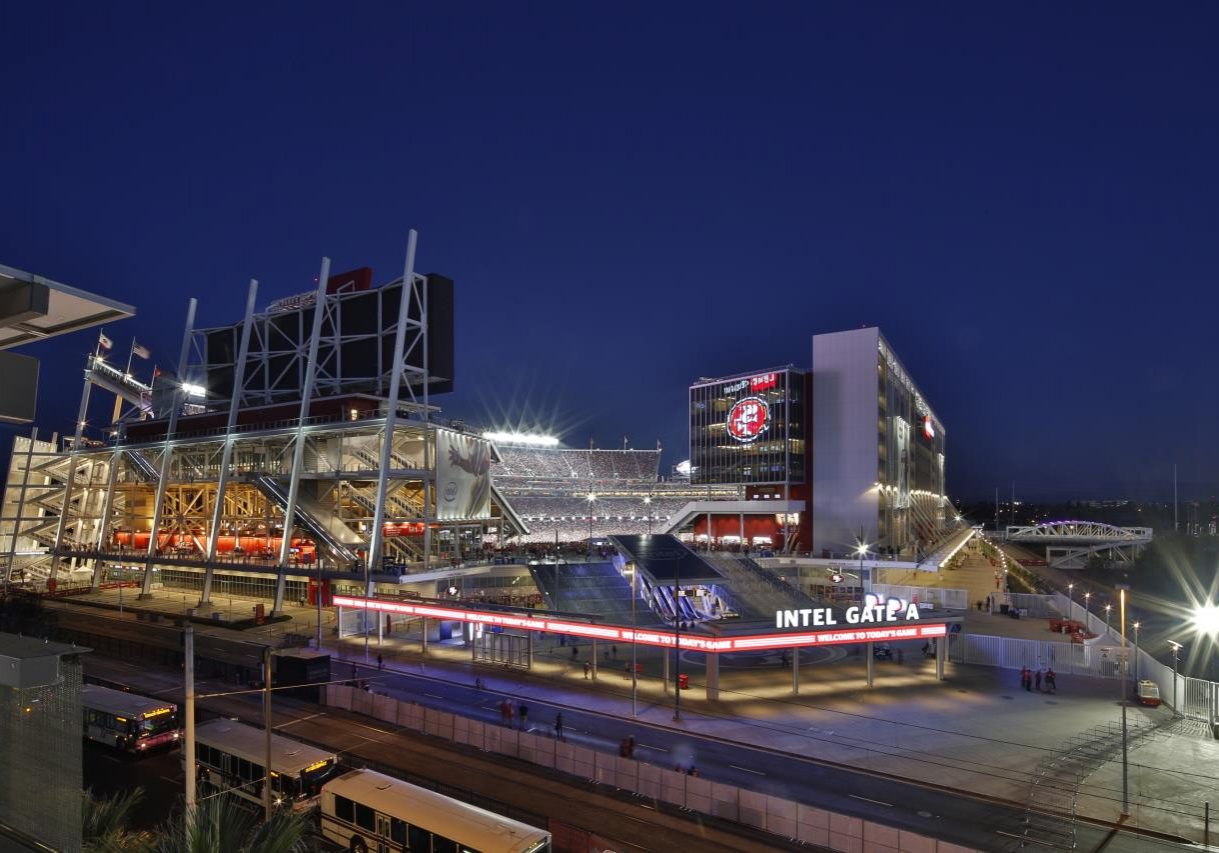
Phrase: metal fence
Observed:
(772, 814)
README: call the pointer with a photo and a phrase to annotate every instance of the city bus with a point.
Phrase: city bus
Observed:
(127, 721)
(230, 757)
(368, 812)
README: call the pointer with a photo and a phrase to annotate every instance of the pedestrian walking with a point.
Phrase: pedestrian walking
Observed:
(1038, 681)
(901, 656)
(524, 712)
(574, 654)
(380, 661)
(558, 726)
(353, 670)
(1025, 678)
(630, 746)
(586, 669)
(614, 652)
(505, 712)
(1051, 681)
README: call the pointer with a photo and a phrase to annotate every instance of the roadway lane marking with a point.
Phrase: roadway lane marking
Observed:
(170, 781)
(112, 758)
(374, 729)
(1009, 834)
(433, 695)
(870, 800)
(746, 769)
(300, 719)
(656, 748)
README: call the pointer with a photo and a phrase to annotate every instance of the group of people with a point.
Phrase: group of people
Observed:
(1029, 679)
(507, 715)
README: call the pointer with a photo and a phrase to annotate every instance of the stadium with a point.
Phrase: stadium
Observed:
(298, 454)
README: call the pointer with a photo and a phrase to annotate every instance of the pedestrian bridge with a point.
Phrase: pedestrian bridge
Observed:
(1070, 543)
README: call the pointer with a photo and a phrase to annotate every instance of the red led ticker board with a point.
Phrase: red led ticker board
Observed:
(653, 637)
(748, 418)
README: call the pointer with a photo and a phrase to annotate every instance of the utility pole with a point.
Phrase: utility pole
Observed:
(267, 801)
(188, 747)
(1121, 591)
(1175, 522)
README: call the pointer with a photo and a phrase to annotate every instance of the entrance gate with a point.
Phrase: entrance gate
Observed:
(502, 648)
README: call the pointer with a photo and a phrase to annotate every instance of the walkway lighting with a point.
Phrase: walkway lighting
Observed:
(1206, 619)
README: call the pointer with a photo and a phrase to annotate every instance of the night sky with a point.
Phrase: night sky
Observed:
(630, 197)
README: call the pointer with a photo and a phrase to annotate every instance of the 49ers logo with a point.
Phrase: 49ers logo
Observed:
(748, 419)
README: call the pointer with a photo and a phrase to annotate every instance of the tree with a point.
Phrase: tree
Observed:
(222, 824)
(105, 823)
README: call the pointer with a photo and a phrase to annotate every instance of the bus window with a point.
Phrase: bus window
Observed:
(440, 844)
(397, 830)
(344, 809)
(421, 839)
(365, 818)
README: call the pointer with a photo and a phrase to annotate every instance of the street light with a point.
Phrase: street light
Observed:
(1087, 612)
(592, 499)
(647, 501)
(1071, 598)
(1136, 655)
(1176, 656)
(862, 550)
(1108, 608)
(630, 570)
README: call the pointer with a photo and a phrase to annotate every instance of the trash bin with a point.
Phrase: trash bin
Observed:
(683, 682)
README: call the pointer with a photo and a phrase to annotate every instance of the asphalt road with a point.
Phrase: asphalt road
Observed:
(969, 821)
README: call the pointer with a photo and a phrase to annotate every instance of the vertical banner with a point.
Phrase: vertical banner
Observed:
(463, 476)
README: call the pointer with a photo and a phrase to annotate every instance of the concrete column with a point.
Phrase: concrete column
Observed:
(529, 648)
(340, 623)
(712, 662)
(424, 635)
(941, 653)
(594, 660)
(871, 663)
(664, 670)
(380, 627)
(796, 671)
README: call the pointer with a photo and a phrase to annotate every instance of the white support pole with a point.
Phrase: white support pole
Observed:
(226, 454)
(107, 503)
(298, 450)
(391, 414)
(870, 652)
(188, 745)
(163, 478)
(796, 671)
(71, 480)
(25, 484)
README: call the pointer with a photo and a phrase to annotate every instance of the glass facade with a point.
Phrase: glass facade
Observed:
(749, 429)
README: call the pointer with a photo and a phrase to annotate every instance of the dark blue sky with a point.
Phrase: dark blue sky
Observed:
(1023, 199)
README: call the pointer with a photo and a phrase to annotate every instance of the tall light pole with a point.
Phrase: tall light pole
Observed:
(647, 501)
(1071, 599)
(633, 571)
(862, 550)
(1108, 608)
(1176, 656)
(1121, 591)
(592, 500)
(1087, 612)
(1136, 655)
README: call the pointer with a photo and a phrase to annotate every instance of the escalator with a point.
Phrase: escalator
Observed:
(328, 531)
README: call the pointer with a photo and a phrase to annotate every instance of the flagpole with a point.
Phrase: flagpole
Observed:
(130, 355)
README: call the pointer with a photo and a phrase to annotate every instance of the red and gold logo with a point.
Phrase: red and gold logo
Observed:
(748, 419)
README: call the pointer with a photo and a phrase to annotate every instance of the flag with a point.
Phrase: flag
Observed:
(156, 371)
(141, 351)
(103, 341)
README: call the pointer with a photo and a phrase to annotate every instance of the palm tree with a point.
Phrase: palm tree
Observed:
(105, 823)
(222, 825)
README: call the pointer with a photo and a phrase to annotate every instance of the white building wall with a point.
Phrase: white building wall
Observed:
(845, 439)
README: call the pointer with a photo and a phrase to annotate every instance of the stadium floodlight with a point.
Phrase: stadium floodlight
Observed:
(194, 390)
(526, 438)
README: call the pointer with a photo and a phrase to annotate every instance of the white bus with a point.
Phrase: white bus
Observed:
(368, 812)
(127, 720)
(230, 757)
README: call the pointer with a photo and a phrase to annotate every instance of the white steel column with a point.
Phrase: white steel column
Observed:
(107, 502)
(25, 484)
(796, 670)
(941, 652)
(391, 414)
(870, 651)
(713, 676)
(175, 399)
(298, 450)
(71, 481)
(227, 454)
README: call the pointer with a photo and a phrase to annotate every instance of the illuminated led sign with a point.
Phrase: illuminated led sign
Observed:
(763, 382)
(748, 418)
(317, 765)
(659, 636)
(873, 610)
(928, 427)
(157, 712)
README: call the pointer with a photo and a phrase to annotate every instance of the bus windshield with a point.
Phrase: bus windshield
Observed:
(312, 778)
(158, 724)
